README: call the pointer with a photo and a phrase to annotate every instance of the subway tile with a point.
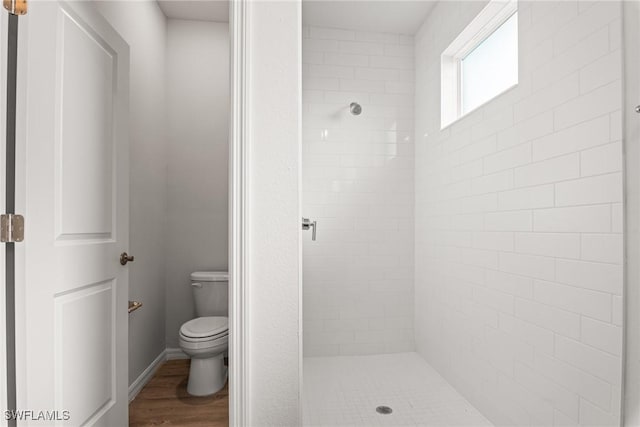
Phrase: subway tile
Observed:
(575, 299)
(539, 410)
(604, 159)
(358, 176)
(575, 58)
(526, 130)
(541, 196)
(399, 50)
(331, 33)
(557, 232)
(615, 125)
(560, 321)
(601, 72)
(330, 71)
(617, 218)
(498, 181)
(370, 36)
(562, 245)
(603, 100)
(603, 336)
(543, 100)
(311, 57)
(403, 63)
(566, 401)
(582, 383)
(562, 419)
(399, 87)
(508, 221)
(618, 312)
(496, 300)
(377, 74)
(346, 59)
(494, 240)
(492, 124)
(591, 190)
(592, 415)
(615, 34)
(584, 135)
(586, 23)
(590, 275)
(550, 170)
(474, 151)
(356, 85)
(587, 219)
(598, 363)
(539, 338)
(528, 265)
(315, 83)
(361, 48)
(507, 159)
(509, 283)
(318, 45)
(602, 248)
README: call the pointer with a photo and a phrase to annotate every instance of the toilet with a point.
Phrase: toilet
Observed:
(205, 339)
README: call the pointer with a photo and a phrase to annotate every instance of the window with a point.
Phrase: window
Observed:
(482, 62)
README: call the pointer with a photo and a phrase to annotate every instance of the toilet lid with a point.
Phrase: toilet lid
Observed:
(203, 327)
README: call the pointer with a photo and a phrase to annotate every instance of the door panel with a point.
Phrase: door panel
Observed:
(85, 368)
(74, 348)
(86, 71)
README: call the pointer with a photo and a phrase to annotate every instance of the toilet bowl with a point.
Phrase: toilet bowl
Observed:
(205, 339)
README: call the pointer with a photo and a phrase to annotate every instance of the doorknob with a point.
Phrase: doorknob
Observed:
(307, 224)
(125, 258)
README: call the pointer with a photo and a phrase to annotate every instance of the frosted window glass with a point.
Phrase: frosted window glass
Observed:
(491, 67)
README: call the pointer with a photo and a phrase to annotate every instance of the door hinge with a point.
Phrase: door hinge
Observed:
(15, 7)
(11, 228)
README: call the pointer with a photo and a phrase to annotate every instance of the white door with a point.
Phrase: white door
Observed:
(72, 298)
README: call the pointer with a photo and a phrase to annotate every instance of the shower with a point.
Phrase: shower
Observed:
(355, 108)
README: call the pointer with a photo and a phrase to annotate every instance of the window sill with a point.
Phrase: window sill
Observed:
(448, 125)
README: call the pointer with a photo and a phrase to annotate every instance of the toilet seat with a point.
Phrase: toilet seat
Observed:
(208, 328)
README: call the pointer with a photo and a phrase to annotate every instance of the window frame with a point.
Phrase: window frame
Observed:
(492, 17)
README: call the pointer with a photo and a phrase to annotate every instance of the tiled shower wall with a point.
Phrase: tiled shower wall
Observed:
(519, 273)
(358, 184)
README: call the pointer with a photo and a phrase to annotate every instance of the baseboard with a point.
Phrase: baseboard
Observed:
(175, 353)
(146, 375)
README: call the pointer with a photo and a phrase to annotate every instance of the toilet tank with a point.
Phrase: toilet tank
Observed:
(210, 293)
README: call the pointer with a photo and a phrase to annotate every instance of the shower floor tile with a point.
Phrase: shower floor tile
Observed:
(345, 391)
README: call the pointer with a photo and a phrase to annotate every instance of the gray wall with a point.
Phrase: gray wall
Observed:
(198, 123)
(143, 26)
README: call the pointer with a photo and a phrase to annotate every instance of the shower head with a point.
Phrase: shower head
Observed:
(355, 108)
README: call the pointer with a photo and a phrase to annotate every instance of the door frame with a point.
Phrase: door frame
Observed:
(4, 19)
(630, 395)
(239, 209)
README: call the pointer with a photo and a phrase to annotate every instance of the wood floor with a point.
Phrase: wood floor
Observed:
(164, 401)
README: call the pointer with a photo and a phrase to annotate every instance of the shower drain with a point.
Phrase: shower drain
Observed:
(384, 410)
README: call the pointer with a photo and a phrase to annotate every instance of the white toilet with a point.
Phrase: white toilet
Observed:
(206, 338)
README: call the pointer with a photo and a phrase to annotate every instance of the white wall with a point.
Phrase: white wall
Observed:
(358, 184)
(631, 25)
(198, 127)
(274, 358)
(519, 221)
(143, 25)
